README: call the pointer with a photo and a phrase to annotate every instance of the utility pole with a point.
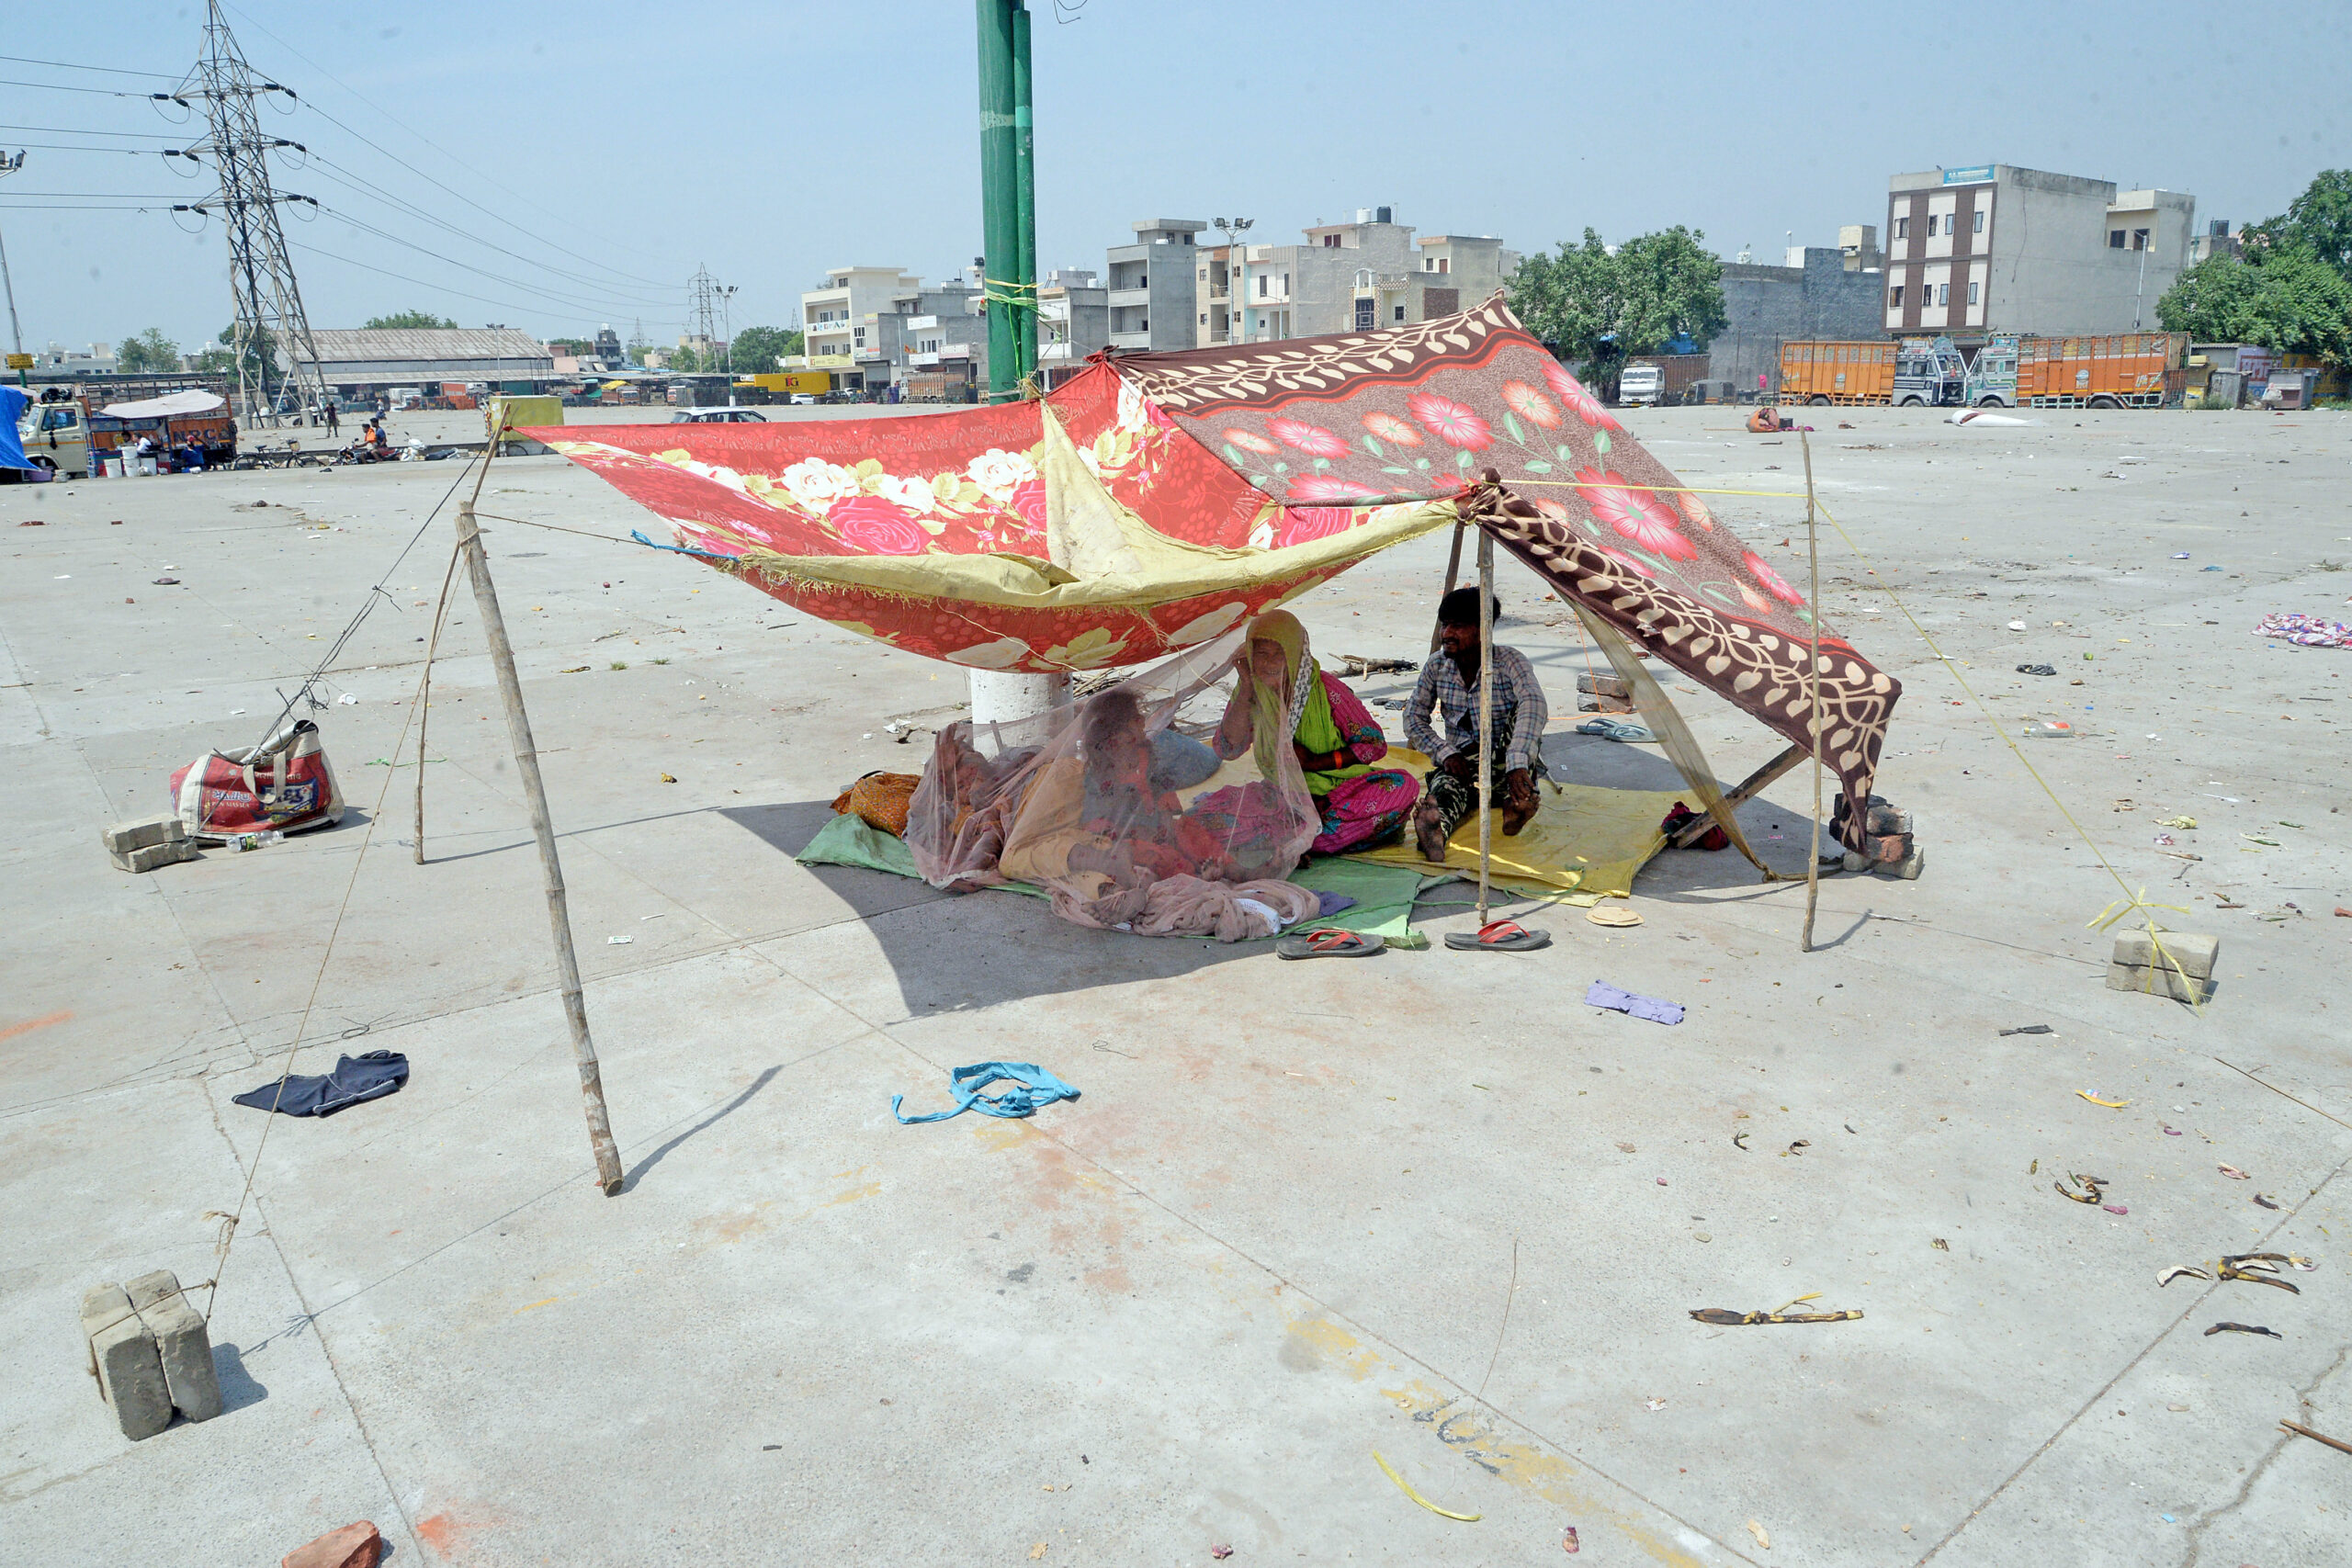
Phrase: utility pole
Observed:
(1236, 274)
(9, 164)
(268, 304)
(1007, 197)
(726, 325)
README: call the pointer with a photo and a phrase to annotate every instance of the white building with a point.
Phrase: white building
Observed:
(838, 321)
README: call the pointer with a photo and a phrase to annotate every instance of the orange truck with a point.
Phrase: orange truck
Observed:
(2140, 371)
(1817, 371)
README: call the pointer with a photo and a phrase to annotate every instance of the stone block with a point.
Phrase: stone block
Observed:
(1590, 703)
(353, 1546)
(1605, 685)
(124, 1359)
(2154, 981)
(149, 856)
(2195, 954)
(1888, 849)
(1857, 862)
(1888, 819)
(139, 833)
(1909, 867)
(181, 1342)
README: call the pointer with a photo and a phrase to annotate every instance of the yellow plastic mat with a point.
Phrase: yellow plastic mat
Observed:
(1586, 842)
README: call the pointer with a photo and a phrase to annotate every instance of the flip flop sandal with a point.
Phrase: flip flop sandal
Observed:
(1613, 915)
(1329, 944)
(1499, 936)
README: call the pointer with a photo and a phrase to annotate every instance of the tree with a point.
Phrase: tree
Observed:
(149, 350)
(2288, 300)
(571, 346)
(1594, 306)
(408, 319)
(759, 350)
(262, 358)
(2319, 220)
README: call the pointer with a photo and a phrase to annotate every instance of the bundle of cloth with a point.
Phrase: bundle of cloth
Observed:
(1088, 801)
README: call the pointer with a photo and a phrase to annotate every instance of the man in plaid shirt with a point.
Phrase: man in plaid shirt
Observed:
(1448, 690)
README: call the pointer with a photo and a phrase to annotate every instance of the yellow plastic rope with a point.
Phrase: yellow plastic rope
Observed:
(1405, 1487)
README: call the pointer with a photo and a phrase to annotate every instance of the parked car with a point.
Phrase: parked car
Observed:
(728, 415)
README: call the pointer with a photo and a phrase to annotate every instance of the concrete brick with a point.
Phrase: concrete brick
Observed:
(181, 1342)
(1589, 704)
(353, 1546)
(1909, 867)
(1888, 849)
(142, 831)
(148, 857)
(2196, 954)
(2154, 981)
(1888, 819)
(124, 1359)
(1857, 862)
(1605, 685)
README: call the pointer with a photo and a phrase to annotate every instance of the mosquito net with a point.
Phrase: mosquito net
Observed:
(1171, 803)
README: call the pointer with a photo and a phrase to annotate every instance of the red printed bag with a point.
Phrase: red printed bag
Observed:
(283, 783)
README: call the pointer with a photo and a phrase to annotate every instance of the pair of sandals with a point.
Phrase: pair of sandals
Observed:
(1495, 936)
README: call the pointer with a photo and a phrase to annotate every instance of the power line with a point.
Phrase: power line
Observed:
(77, 131)
(403, 277)
(569, 300)
(420, 173)
(110, 69)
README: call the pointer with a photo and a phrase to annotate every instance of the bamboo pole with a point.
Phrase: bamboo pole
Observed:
(1453, 576)
(527, 767)
(1486, 714)
(1813, 682)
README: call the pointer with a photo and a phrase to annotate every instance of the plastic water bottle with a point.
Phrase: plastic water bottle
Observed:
(238, 843)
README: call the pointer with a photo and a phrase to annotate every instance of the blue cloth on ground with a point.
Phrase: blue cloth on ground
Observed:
(1603, 995)
(354, 1079)
(1037, 1087)
(1330, 903)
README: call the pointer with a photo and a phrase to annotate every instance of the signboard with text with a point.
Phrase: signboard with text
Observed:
(1976, 174)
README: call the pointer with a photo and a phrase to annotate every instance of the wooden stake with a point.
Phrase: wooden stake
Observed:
(1813, 682)
(1453, 576)
(1485, 713)
(527, 767)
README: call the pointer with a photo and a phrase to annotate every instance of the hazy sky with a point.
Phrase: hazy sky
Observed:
(612, 147)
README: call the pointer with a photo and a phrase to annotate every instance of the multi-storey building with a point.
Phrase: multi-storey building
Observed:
(1997, 248)
(1346, 277)
(1150, 285)
(1073, 322)
(836, 320)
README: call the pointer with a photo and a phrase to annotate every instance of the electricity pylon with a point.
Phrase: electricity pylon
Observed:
(269, 305)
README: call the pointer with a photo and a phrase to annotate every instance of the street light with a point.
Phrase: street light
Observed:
(726, 325)
(1238, 280)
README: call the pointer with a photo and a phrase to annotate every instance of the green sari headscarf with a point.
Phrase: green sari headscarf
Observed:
(1300, 709)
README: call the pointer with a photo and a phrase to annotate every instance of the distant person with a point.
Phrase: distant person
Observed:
(334, 426)
(191, 458)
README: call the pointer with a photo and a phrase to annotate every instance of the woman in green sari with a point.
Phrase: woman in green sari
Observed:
(1285, 699)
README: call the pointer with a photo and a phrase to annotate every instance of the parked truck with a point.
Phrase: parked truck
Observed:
(1817, 371)
(74, 428)
(2139, 370)
(1662, 380)
(1929, 371)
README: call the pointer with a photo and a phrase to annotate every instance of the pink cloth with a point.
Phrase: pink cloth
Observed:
(1359, 810)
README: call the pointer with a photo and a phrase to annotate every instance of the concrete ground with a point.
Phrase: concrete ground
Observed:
(1303, 1212)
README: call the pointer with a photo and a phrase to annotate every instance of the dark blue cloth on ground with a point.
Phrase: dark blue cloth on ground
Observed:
(354, 1079)
(1037, 1087)
(1332, 903)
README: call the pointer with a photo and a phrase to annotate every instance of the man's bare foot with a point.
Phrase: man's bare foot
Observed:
(1429, 833)
(1517, 815)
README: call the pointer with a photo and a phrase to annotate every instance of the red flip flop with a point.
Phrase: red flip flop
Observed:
(1329, 943)
(1499, 936)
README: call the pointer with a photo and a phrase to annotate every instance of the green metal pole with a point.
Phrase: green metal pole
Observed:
(1025, 144)
(1000, 203)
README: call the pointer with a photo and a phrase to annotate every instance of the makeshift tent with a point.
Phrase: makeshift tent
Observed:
(171, 405)
(1155, 500)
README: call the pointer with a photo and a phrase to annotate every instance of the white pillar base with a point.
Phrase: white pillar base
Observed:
(1002, 696)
